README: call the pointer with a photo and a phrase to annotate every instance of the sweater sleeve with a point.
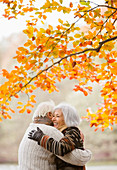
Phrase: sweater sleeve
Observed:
(69, 142)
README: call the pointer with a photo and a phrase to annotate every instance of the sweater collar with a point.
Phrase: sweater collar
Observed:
(62, 128)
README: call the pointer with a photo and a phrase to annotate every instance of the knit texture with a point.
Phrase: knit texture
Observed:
(31, 156)
(69, 142)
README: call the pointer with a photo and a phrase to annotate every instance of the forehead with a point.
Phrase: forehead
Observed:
(58, 111)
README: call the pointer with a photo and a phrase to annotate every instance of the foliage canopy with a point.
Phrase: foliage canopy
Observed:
(64, 51)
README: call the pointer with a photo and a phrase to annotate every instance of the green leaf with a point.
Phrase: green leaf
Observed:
(83, 2)
(75, 43)
(71, 38)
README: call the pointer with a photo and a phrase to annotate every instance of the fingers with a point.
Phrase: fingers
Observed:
(33, 131)
(38, 129)
(31, 134)
(35, 134)
(29, 137)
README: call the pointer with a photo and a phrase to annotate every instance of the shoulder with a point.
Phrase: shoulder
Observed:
(71, 130)
(48, 130)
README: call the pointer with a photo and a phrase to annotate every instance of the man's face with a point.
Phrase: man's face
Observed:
(58, 119)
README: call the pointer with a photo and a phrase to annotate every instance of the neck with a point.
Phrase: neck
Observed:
(43, 120)
(62, 128)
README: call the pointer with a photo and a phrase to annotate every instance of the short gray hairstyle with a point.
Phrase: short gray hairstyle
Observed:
(70, 114)
(43, 108)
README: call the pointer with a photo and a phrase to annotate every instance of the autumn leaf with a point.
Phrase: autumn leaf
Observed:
(71, 4)
(28, 111)
(111, 60)
(85, 53)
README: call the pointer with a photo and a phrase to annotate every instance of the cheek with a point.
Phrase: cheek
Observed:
(52, 119)
(61, 121)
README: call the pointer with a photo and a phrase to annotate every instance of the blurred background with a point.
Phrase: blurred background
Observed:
(102, 144)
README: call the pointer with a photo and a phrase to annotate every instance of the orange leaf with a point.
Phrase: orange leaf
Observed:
(21, 1)
(9, 116)
(111, 60)
(46, 60)
(22, 110)
(16, 96)
(28, 111)
(44, 17)
(32, 47)
(71, 4)
(12, 110)
(48, 31)
(85, 92)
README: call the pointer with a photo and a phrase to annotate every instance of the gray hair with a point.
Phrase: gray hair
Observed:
(70, 114)
(43, 108)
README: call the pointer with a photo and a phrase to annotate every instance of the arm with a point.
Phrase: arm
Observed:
(76, 157)
(69, 142)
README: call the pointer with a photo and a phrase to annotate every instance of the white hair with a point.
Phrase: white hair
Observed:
(43, 108)
(70, 114)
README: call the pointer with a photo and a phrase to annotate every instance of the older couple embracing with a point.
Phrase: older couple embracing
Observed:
(53, 141)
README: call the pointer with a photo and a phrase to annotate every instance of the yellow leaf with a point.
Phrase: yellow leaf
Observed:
(60, 20)
(42, 22)
(50, 27)
(77, 35)
(19, 107)
(42, 30)
(20, 103)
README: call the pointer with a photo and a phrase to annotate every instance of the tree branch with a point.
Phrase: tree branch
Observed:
(59, 61)
(105, 23)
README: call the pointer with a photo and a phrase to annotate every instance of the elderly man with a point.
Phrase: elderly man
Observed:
(33, 157)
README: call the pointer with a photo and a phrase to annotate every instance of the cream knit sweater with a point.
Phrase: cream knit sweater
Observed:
(31, 156)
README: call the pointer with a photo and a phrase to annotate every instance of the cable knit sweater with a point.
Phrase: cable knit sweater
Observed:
(31, 156)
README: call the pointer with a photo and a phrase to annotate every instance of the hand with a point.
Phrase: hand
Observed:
(36, 134)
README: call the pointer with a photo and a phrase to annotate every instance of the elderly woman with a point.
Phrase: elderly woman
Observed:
(66, 119)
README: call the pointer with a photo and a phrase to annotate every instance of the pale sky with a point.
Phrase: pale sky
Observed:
(8, 27)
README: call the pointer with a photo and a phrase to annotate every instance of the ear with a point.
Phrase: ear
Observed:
(50, 115)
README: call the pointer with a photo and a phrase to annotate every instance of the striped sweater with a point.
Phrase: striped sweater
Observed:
(31, 156)
(70, 141)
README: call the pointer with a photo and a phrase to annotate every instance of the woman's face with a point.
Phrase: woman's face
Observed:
(58, 119)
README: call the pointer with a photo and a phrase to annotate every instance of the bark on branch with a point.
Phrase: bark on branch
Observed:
(78, 53)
